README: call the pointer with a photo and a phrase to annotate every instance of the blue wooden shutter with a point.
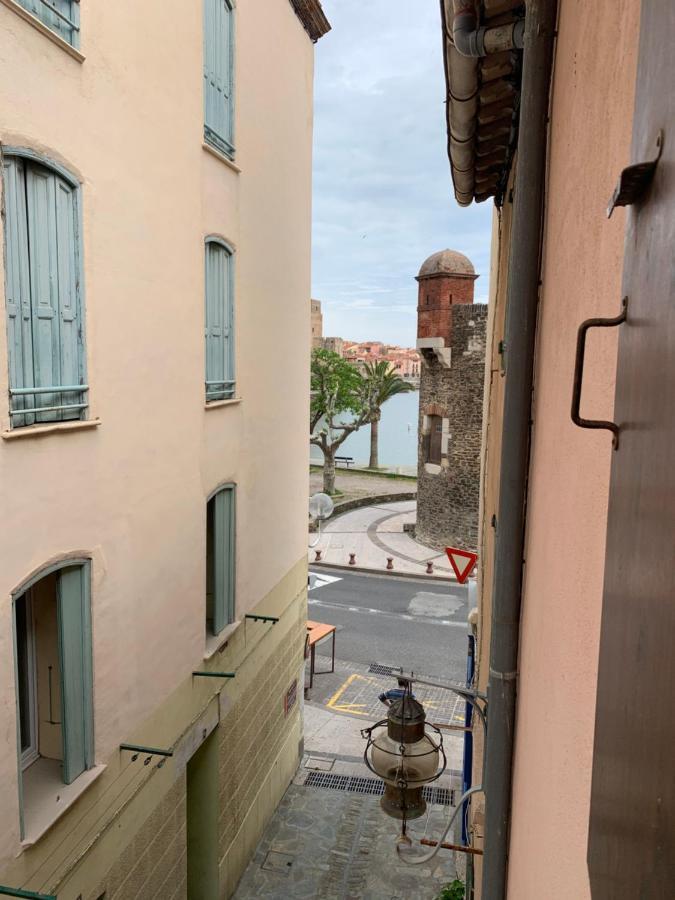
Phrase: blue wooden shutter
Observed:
(58, 353)
(76, 671)
(17, 288)
(219, 316)
(218, 74)
(61, 16)
(223, 559)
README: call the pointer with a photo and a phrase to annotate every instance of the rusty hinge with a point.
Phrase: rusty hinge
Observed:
(635, 179)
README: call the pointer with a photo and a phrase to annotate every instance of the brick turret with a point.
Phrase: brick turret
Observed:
(446, 279)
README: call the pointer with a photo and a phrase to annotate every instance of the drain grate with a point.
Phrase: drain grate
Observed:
(356, 785)
(379, 669)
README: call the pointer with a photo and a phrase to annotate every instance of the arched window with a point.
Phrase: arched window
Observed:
(219, 321)
(220, 559)
(45, 327)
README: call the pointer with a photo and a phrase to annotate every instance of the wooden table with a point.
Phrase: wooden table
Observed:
(317, 631)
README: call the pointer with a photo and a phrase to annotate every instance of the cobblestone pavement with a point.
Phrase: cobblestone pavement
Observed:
(334, 845)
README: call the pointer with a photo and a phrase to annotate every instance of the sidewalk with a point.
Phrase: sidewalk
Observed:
(335, 843)
(374, 533)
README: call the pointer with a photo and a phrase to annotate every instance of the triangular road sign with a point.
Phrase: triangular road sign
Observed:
(462, 561)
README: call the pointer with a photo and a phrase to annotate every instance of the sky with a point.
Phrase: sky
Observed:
(383, 197)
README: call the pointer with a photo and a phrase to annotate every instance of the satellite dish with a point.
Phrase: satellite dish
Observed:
(320, 506)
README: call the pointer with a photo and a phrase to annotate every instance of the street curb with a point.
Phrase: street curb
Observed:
(389, 573)
(372, 500)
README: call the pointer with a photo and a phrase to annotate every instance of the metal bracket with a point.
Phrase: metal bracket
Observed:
(137, 749)
(28, 895)
(634, 180)
(579, 372)
(272, 619)
(214, 674)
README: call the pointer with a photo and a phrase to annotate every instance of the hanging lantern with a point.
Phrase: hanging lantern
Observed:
(406, 752)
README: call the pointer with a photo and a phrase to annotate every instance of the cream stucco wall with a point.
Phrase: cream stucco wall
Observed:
(591, 122)
(127, 122)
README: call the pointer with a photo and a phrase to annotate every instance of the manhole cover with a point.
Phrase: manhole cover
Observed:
(322, 765)
(280, 863)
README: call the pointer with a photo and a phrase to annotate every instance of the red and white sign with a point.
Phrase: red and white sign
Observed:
(462, 561)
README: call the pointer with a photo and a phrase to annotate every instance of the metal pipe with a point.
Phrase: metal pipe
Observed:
(458, 847)
(521, 317)
(29, 895)
(474, 40)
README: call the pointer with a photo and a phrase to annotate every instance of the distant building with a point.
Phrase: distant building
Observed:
(335, 344)
(451, 340)
(317, 324)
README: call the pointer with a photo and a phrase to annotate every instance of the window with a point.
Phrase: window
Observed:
(433, 440)
(61, 16)
(220, 559)
(45, 328)
(219, 350)
(54, 679)
(219, 75)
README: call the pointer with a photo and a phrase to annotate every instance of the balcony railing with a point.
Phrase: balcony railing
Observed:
(55, 411)
(67, 27)
(219, 390)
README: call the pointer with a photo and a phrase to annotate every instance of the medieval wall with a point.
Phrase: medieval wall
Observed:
(447, 494)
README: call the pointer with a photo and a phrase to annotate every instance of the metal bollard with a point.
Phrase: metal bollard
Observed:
(317, 556)
(430, 568)
(352, 559)
(390, 562)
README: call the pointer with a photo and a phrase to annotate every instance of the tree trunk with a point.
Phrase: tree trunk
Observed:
(374, 438)
(328, 472)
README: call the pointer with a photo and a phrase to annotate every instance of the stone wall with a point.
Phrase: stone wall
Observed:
(447, 494)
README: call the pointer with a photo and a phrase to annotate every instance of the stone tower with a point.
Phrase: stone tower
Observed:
(451, 339)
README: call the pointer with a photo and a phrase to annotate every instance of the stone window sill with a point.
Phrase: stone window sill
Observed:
(36, 431)
(46, 798)
(216, 404)
(221, 156)
(216, 642)
(432, 469)
(44, 29)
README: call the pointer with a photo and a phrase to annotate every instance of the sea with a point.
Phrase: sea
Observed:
(398, 436)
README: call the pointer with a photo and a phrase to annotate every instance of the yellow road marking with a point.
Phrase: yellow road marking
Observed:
(353, 708)
(347, 707)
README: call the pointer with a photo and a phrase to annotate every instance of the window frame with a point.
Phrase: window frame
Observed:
(212, 394)
(224, 144)
(84, 564)
(435, 440)
(31, 157)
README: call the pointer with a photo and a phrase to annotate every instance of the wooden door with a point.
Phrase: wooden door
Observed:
(631, 849)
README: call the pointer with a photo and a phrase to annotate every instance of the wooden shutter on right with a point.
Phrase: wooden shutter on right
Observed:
(76, 671)
(218, 74)
(221, 578)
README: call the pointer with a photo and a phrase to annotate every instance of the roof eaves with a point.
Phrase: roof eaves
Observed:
(312, 16)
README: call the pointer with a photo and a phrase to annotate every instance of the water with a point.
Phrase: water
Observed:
(398, 435)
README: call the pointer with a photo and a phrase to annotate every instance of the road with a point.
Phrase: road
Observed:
(416, 624)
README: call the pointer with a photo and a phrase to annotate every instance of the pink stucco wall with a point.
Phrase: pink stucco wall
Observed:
(590, 139)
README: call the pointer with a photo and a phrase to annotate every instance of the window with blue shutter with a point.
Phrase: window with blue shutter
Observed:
(219, 321)
(219, 75)
(61, 16)
(45, 326)
(220, 560)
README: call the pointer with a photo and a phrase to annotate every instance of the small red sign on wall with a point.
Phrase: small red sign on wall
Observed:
(462, 562)
(290, 697)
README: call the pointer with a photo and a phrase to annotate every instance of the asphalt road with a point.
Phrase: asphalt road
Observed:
(419, 625)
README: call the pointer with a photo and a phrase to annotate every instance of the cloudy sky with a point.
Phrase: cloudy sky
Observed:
(382, 190)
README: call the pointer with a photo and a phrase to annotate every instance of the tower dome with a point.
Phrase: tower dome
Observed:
(447, 262)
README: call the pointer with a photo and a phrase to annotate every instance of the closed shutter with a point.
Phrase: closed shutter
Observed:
(218, 74)
(61, 16)
(71, 355)
(17, 288)
(219, 349)
(76, 673)
(221, 579)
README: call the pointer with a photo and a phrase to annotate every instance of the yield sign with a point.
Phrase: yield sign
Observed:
(462, 561)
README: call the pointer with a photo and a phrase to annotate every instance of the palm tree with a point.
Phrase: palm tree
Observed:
(380, 383)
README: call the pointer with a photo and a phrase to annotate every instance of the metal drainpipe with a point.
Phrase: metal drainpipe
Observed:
(521, 318)
(475, 41)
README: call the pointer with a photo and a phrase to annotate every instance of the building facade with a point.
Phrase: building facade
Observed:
(148, 723)
(577, 574)
(451, 342)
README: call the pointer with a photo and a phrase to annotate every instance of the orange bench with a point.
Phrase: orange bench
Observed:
(317, 631)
